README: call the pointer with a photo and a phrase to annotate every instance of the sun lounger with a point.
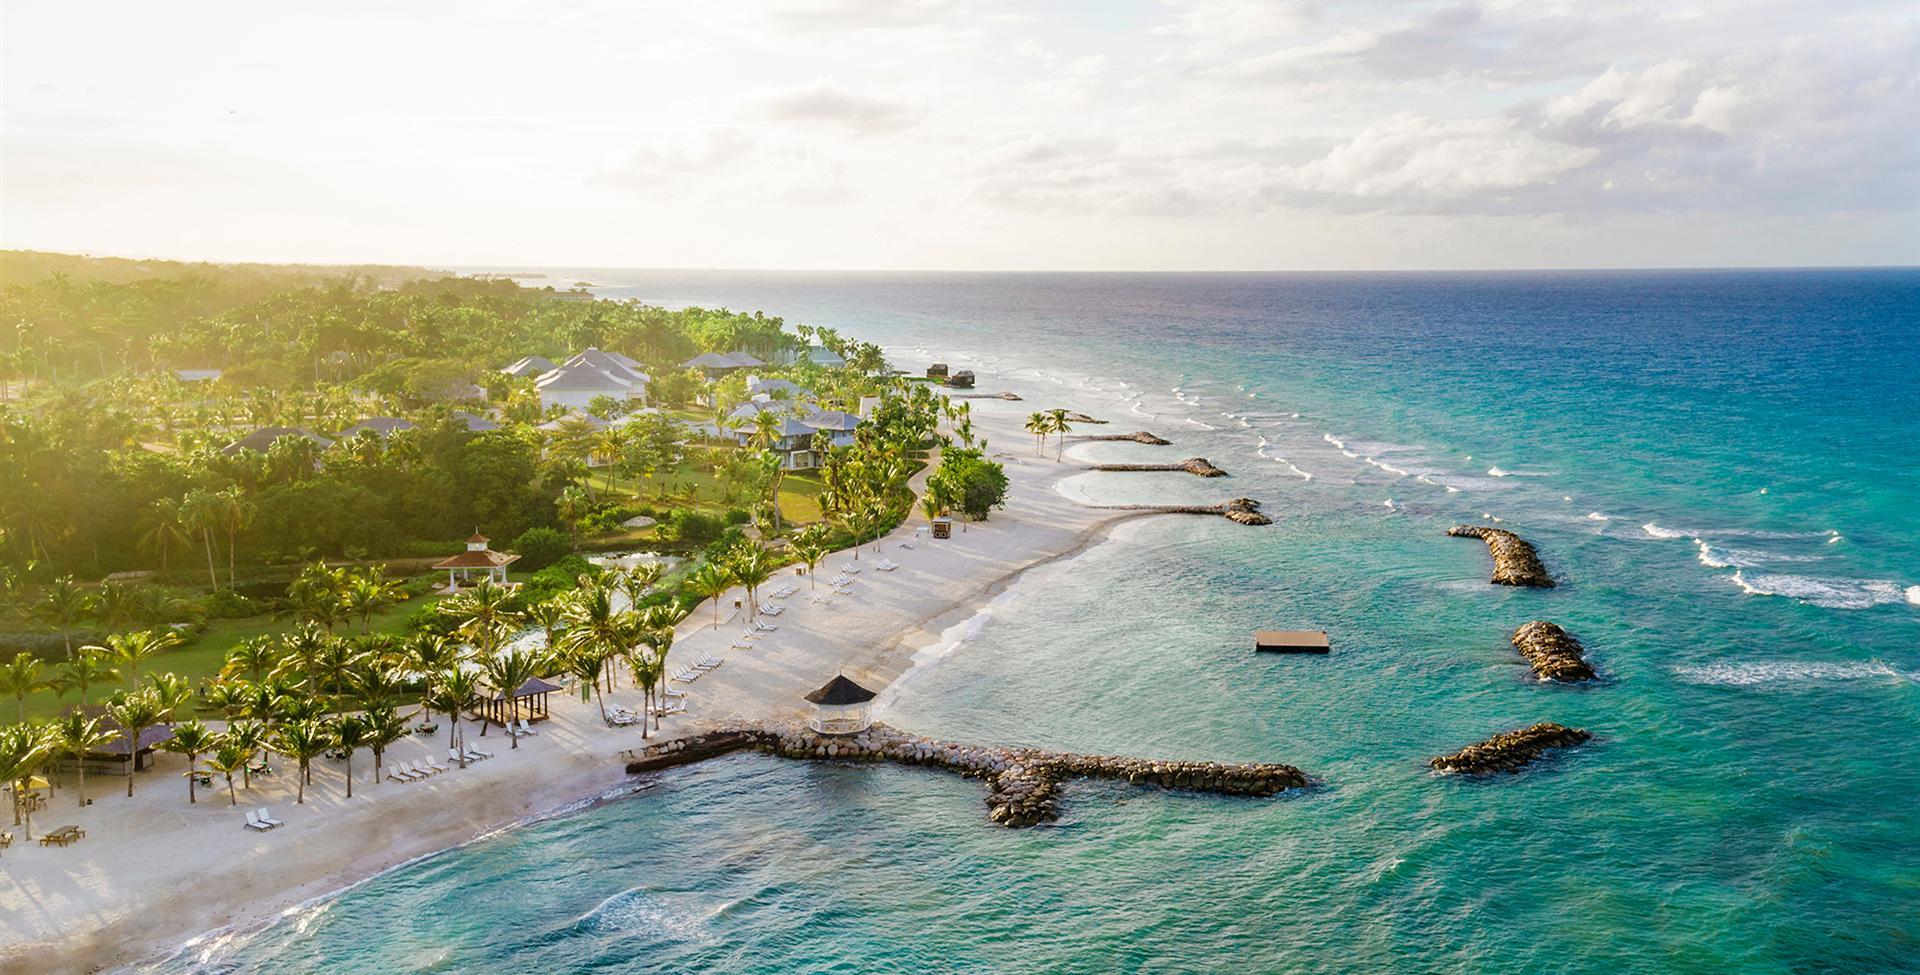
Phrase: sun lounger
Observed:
(436, 766)
(850, 568)
(397, 774)
(673, 693)
(526, 729)
(419, 769)
(822, 598)
(267, 817)
(765, 627)
(772, 610)
(254, 823)
(473, 752)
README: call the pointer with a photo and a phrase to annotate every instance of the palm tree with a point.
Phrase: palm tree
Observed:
(130, 650)
(234, 512)
(1057, 423)
(592, 623)
(23, 751)
(303, 741)
(485, 615)
(201, 511)
(636, 581)
(252, 734)
(549, 615)
(505, 672)
(657, 632)
(76, 736)
(585, 663)
(134, 712)
(350, 733)
(751, 568)
(810, 546)
(253, 657)
(63, 605)
(384, 726)
(710, 581)
(646, 667)
(174, 693)
(453, 692)
(368, 593)
(116, 605)
(230, 756)
(301, 653)
(21, 676)
(1039, 426)
(191, 738)
(163, 531)
(336, 661)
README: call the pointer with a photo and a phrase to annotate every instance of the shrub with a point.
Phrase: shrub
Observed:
(738, 516)
(561, 576)
(228, 605)
(690, 528)
(541, 547)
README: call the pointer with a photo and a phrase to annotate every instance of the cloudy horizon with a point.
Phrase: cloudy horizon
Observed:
(935, 134)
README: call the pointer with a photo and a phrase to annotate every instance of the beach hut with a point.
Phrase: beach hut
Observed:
(532, 696)
(961, 380)
(841, 707)
(461, 567)
(937, 371)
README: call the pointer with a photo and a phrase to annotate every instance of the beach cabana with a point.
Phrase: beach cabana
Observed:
(477, 557)
(532, 696)
(841, 707)
(118, 749)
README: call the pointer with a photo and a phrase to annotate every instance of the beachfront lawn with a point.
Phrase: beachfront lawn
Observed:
(202, 655)
(691, 486)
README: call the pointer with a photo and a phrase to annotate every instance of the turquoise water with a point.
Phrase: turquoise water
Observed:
(1718, 466)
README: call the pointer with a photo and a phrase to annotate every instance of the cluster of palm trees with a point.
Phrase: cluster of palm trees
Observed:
(1048, 423)
(172, 525)
(309, 692)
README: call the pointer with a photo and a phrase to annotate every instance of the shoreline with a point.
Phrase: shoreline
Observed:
(121, 894)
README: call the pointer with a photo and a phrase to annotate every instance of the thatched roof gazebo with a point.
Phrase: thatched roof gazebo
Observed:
(532, 696)
(841, 707)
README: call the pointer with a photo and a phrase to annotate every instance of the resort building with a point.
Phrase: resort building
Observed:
(777, 389)
(590, 375)
(841, 707)
(259, 440)
(718, 363)
(474, 422)
(479, 558)
(819, 355)
(532, 365)
(797, 431)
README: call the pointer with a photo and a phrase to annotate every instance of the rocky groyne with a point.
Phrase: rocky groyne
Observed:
(1553, 652)
(1514, 561)
(1083, 418)
(1197, 466)
(1510, 751)
(1138, 436)
(1245, 511)
(1023, 784)
(1014, 397)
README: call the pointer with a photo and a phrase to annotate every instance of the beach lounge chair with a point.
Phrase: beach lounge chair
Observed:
(673, 693)
(772, 610)
(750, 634)
(822, 598)
(396, 774)
(526, 729)
(764, 626)
(254, 823)
(850, 569)
(436, 766)
(418, 769)
(742, 644)
(473, 752)
(267, 817)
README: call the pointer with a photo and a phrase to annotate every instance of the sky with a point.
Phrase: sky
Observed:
(950, 135)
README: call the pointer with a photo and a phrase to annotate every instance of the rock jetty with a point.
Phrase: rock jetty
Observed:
(1023, 784)
(1083, 418)
(1138, 436)
(1553, 652)
(1510, 751)
(1197, 466)
(1514, 561)
(1245, 511)
(1014, 397)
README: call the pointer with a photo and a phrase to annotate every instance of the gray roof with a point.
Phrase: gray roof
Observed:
(382, 425)
(263, 438)
(196, 375)
(618, 366)
(832, 420)
(532, 365)
(756, 385)
(572, 419)
(581, 377)
(821, 355)
(473, 422)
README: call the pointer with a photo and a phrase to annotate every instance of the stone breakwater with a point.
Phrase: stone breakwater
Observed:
(1023, 784)
(1510, 751)
(1083, 418)
(1244, 511)
(1197, 466)
(1514, 561)
(1138, 436)
(1553, 652)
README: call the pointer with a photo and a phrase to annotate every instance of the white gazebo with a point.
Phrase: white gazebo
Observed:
(478, 556)
(841, 707)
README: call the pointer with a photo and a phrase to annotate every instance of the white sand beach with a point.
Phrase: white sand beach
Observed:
(154, 871)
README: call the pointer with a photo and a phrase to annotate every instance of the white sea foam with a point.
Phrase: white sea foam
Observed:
(1498, 472)
(1284, 462)
(1197, 423)
(1658, 532)
(1826, 592)
(1787, 672)
(1596, 516)
(1389, 504)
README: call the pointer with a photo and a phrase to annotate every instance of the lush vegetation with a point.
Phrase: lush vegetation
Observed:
(152, 574)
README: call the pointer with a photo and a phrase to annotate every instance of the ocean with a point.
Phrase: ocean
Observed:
(1719, 467)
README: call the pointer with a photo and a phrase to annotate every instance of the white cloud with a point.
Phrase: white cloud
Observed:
(823, 104)
(1410, 156)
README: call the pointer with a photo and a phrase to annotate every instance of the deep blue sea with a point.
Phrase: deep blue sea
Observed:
(1722, 468)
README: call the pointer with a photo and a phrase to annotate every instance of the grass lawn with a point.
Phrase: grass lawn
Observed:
(691, 486)
(202, 656)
